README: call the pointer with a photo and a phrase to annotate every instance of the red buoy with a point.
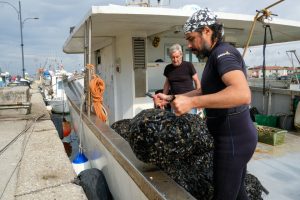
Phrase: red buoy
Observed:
(66, 128)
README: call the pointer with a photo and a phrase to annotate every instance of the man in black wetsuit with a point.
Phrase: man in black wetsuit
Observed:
(225, 95)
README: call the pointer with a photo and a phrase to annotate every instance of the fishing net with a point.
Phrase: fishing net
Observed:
(253, 187)
(122, 127)
(181, 146)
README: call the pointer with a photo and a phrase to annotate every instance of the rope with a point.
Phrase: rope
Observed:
(264, 55)
(97, 87)
(21, 133)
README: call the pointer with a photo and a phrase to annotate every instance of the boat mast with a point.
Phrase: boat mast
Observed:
(293, 52)
(87, 62)
(260, 16)
(292, 60)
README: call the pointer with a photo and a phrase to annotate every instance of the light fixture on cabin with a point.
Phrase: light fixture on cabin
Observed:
(177, 29)
(155, 41)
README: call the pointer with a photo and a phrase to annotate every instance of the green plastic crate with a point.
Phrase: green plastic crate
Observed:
(270, 135)
(266, 120)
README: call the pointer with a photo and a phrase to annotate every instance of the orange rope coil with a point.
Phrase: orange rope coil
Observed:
(90, 66)
(97, 87)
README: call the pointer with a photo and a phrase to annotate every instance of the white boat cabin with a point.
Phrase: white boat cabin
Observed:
(119, 41)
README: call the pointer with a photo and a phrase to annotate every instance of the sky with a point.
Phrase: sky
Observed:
(43, 39)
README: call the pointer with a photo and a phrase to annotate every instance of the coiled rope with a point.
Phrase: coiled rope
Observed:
(97, 87)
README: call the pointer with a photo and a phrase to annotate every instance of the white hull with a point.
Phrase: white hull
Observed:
(276, 101)
(295, 87)
(54, 93)
(58, 105)
(127, 177)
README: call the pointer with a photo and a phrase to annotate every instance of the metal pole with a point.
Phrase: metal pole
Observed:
(22, 45)
(89, 62)
(19, 12)
(274, 4)
(250, 34)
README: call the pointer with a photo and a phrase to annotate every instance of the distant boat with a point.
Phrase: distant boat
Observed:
(54, 93)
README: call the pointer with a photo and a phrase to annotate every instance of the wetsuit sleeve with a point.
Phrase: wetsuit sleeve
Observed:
(228, 60)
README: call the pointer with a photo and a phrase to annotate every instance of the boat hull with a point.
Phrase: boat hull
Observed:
(127, 177)
(58, 105)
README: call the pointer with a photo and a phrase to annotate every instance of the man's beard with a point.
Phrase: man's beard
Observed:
(203, 53)
(176, 65)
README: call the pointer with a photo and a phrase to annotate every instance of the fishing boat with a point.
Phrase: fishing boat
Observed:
(128, 47)
(54, 94)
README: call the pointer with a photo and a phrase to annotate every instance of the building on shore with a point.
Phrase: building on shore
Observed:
(272, 71)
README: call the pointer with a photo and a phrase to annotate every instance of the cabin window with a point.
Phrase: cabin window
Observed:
(98, 61)
(167, 56)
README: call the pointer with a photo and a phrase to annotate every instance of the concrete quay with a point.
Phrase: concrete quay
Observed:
(33, 162)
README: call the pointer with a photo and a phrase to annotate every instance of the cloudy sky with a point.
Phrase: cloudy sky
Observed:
(43, 38)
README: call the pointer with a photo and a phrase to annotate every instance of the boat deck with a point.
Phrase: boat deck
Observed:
(278, 168)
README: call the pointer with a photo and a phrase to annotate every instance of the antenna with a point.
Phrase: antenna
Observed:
(293, 52)
(143, 3)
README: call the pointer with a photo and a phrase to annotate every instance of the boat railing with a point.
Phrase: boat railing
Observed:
(274, 101)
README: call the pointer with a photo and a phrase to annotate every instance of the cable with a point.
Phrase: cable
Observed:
(23, 149)
(15, 138)
(17, 165)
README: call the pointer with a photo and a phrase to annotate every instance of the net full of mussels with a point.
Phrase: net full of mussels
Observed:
(181, 146)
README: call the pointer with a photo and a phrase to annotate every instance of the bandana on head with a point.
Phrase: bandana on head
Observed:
(202, 17)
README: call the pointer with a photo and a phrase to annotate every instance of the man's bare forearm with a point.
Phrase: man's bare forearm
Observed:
(193, 93)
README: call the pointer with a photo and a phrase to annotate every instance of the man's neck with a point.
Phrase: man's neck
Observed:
(214, 44)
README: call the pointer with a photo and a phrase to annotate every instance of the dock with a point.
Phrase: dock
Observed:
(34, 164)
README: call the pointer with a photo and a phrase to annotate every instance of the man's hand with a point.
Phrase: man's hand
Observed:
(160, 100)
(181, 104)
